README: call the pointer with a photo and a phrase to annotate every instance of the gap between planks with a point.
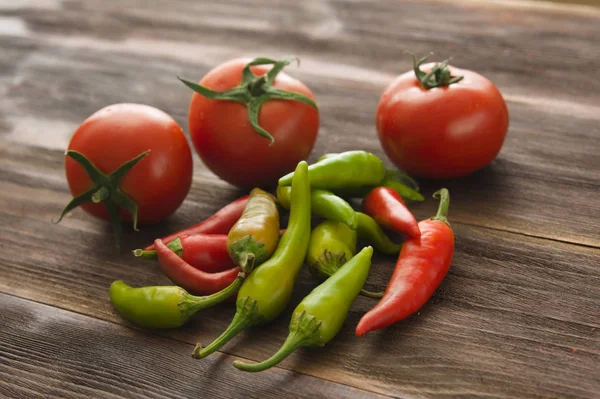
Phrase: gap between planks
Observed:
(572, 8)
(128, 326)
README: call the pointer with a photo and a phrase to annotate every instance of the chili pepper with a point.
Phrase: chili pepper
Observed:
(421, 267)
(267, 290)
(368, 229)
(331, 245)
(207, 252)
(390, 180)
(400, 175)
(323, 203)
(404, 191)
(219, 223)
(387, 208)
(320, 316)
(162, 306)
(253, 238)
(345, 170)
(187, 276)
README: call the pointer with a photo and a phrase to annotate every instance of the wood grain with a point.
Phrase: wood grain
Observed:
(517, 316)
(65, 69)
(48, 352)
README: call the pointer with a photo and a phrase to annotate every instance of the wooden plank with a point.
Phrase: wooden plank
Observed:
(516, 316)
(578, 7)
(543, 184)
(48, 352)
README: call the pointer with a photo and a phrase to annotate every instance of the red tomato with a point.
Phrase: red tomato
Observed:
(114, 135)
(443, 132)
(228, 144)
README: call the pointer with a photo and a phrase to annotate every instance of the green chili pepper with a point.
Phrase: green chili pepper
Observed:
(349, 169)
(320, 316)
(369, 230)
(324, 204)
(389, 181)
(163, 306)
(331, 245)
(402, 189)
(392, 179)
(396, 174)
(267, 290)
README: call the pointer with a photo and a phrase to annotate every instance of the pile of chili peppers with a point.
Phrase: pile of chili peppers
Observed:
(241, 251)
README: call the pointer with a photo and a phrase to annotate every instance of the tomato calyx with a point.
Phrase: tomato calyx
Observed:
(254, 91)
(438, 76)
(105, 189)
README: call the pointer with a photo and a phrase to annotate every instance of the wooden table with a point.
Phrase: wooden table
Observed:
(517, 316)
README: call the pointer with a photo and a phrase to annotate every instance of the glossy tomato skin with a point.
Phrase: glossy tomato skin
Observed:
(115, 134)
(443, 132)
(229, 146)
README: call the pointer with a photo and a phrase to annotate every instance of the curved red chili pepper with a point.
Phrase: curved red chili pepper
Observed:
(207, 252)
(219, 223)
(188, 277)
(422, 265)
(387, 208)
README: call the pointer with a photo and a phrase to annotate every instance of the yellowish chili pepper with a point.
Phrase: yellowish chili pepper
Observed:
(253, 239)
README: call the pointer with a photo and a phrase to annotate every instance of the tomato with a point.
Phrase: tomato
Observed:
(442, 132)
(230, 147)
(158, 183)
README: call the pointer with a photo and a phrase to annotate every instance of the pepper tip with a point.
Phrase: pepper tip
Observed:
(361, 328)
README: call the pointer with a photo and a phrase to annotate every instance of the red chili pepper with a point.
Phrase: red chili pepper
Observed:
(219, 223)
(207, 252)
(387, 208)
(188, 277)
(422, 265)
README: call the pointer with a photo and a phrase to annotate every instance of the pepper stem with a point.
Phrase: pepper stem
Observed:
(292, 342)
(174, 246)
(444, 196)
(371, 294)
(246, 315)
(247, 253)
(190, 304)
(304, 331)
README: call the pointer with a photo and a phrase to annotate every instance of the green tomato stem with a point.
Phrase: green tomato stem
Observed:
(254, 91)
(438, 76)
(100, 195)
(105, 189)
